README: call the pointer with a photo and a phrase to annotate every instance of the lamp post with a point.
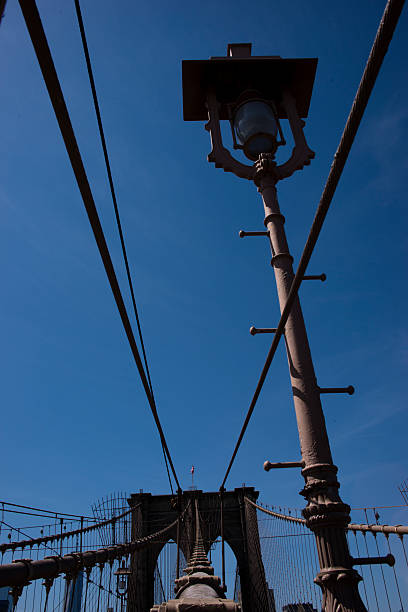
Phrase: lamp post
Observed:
(253, 94)
(122, 576)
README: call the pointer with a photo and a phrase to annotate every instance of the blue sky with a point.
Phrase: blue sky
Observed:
(75, 422)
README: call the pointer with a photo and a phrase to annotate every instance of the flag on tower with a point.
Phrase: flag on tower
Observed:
(192, 469)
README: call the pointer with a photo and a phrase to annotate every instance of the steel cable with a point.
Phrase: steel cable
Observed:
(381, 567)
(115, 203)
(382, 40)
(61, 536)
(2, 9)
(361, 568)
(51, 567)
(387, 537)
(44, 57)
(56, 514)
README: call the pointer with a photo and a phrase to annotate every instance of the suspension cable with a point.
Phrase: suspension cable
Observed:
(378, 51)
(61, 536)
(53, 512)
(30, 541)
(44, 57)
(115, 202)
(2, 9)
(399, 530)
(16, 573)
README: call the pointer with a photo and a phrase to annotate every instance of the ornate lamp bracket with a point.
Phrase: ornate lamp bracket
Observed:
(222, 158)
(301, 153)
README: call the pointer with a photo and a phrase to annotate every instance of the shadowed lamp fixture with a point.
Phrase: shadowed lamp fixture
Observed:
(253, 93)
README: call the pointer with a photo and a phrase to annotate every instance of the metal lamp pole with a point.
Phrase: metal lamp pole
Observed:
(234, 88)
(326, 514)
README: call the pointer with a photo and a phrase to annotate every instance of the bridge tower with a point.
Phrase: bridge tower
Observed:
(240, 528)
(199, 589)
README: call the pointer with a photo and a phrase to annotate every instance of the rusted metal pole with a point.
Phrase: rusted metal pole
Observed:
(325, 513)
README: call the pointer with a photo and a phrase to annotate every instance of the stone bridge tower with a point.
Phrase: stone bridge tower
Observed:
(155, 512)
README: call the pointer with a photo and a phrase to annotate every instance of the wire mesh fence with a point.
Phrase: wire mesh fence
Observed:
(290, 559)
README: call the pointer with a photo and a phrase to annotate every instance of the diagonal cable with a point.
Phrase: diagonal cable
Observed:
(378, 51)
(2, 9)
(114, 200)
(42, 50)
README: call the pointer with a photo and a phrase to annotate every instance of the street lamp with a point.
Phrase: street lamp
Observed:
(253, 94)
(122, 575)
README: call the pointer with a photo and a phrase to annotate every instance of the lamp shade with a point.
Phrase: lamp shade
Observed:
(256, 128)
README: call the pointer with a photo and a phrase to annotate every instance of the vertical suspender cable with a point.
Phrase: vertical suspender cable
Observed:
(387, 537)
(361, 568)
(381, 567)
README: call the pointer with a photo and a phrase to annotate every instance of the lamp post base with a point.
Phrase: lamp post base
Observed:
(339, 586)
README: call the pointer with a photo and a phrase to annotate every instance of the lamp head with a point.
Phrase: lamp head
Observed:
(122, 575)
(253, 93)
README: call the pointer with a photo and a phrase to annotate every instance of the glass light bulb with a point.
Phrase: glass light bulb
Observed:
(256, 128)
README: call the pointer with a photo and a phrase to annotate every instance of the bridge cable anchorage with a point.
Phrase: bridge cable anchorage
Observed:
(378, 51)
(44, 57)
(114, 201)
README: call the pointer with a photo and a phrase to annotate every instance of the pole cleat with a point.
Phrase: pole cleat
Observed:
(350, 389)
(242, 234)
(282, 464)
(387, 560)
(321, 277)
(262, 330)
